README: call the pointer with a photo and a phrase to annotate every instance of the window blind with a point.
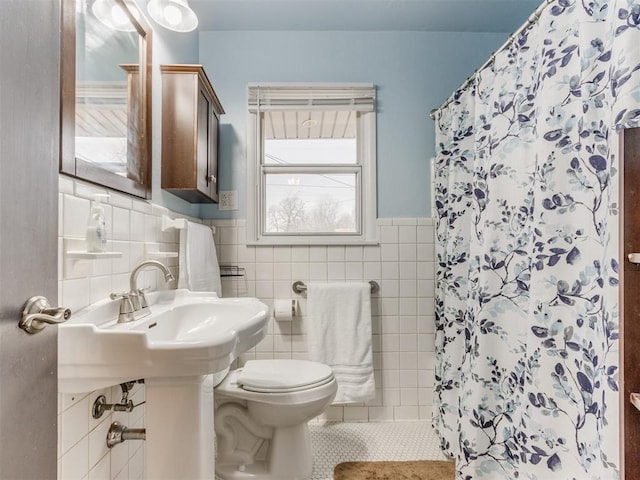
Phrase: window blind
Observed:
(355, 97)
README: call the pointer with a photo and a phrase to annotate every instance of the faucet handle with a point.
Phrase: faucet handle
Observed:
(141, 296)
(122, 295)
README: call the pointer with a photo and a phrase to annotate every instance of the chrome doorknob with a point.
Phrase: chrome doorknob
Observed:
(37, 313)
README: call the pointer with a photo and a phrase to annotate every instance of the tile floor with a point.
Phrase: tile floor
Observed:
(340, 442)
(335, 442)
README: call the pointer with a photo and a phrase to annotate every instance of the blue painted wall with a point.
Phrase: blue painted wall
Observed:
(414, 72)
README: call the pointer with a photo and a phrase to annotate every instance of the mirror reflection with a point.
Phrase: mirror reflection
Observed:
(109, 144)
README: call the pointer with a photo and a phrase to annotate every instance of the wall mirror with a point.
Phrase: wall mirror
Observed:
(106, 94)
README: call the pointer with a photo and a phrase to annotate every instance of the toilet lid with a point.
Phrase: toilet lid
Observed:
(283, 375)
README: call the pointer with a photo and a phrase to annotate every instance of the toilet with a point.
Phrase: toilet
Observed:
(261, 416)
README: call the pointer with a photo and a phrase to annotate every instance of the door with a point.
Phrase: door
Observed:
(630, 306)
(203, 142)
(29, 137)
(213, 154)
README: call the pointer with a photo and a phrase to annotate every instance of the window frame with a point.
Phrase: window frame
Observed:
(364, 168)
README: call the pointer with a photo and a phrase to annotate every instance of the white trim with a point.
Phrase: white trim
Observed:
(366, 166)
(310, 85)
(320, 240)
(369, 178)
(252, 180)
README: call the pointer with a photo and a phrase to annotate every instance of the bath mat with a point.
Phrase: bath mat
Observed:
(414, 470)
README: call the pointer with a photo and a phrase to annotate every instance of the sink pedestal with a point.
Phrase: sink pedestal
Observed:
(179, 423)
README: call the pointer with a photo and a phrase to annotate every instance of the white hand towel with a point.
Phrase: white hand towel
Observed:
(340, 336)
(199, 269)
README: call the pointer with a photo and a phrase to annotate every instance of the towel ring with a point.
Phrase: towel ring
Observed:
(300, 287)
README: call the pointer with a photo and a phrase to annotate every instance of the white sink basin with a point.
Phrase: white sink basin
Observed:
(186, 334)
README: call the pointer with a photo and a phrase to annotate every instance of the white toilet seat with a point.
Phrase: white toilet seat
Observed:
(277, 387)
(282, 376)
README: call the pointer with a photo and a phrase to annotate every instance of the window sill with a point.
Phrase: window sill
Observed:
(304, 241)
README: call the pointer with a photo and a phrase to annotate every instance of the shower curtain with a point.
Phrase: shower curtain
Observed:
(527, 248)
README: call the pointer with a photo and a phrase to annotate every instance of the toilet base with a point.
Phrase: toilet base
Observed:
(289, 458)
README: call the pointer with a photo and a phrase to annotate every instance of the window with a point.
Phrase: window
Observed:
(311, 164)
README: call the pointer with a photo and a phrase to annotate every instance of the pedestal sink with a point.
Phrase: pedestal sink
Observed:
(187, 337)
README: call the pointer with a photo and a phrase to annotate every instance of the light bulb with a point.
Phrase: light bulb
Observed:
(172, 15)
(114, 15)
(120, 18)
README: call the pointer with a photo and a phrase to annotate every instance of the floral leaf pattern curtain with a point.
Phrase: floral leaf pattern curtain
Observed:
(527, 248)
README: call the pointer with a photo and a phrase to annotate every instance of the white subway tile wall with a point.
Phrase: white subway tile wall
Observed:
(82, 448)
(403, 311)
(402, 314)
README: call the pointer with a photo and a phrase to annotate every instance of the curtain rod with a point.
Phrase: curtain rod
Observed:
(533, 18)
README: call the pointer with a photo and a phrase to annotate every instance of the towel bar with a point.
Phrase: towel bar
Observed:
(299, 286)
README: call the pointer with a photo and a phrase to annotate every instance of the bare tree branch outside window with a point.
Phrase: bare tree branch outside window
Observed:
(292, 215)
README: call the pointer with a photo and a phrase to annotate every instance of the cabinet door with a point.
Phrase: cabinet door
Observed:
(213, 156)
(203, 149)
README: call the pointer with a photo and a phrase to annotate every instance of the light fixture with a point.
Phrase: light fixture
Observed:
(112, 14)
(310, 123)
(174, 15)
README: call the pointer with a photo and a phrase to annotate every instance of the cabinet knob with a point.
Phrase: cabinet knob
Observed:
(212, 178)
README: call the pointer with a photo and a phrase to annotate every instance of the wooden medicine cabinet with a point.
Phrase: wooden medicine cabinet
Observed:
(190, 117)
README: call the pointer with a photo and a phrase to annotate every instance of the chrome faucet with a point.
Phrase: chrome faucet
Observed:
(134, 303)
